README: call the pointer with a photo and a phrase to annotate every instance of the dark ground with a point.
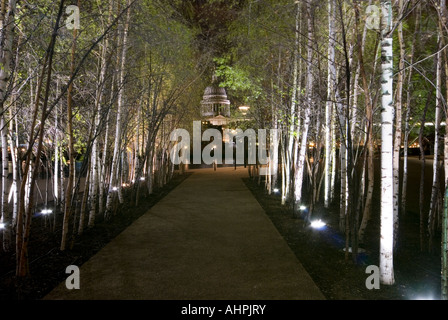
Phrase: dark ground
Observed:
(48, 263)
(321, 252)
(417, 274)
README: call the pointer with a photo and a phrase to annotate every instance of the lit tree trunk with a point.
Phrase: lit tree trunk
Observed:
(289, 157)
(343, 173)
(369, 153)
(113, 184)
(102, 168)
(298, 179)
(56, 154)
(329, 104)
(398, 125)
(444, 231)
(387, 174)
(13, 127)
(333, 156)
(444, 255)
(26, 208)
(435, 180)
(7, 23)
(95, 185)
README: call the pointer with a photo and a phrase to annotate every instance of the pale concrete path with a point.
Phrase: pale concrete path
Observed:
(208, 239)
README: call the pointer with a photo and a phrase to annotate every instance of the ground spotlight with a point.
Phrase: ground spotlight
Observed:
(318, 224)
(2, 226)
(46, 211)
(302, 208)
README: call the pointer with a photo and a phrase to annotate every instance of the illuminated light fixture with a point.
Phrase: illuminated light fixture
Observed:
(46, 211)
(142, 178)
(114, 189)
(318, 224)
(2, 226)
(276, 190)
(302, 208)
(244, 109)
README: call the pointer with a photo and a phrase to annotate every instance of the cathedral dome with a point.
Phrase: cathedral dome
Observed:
(215, 101)
(214, 94)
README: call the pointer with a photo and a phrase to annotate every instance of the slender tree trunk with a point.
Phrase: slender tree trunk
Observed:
(444, 251)
(444, 228)
(71, 150)
(369, 153)
(56, 154)
(435, 180)
(298, 182)
(114, 185)
(408, 113)
(398, 124)
(387, 180)
(25, 213)
(95, 176)
(329, 105)
(294, 97)
(85, 197)
(7, 24)
(422, 175)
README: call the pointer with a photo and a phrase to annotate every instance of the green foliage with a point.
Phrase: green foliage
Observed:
(237, 79)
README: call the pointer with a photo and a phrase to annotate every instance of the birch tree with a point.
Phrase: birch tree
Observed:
(299, 172)
(329, 105)
(398, 120)
(387, 116)
(7, 24)
(71, 149)
(437, 138)
(114, 184)
(444, 232)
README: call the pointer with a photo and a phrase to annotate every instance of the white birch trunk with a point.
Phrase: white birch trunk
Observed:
(95, 185)
(398, 126)
(329, 105)
(444, 231)
(56, 154)
(294, 96)
(114, 183)
(6, 38)
(387, 174)
(435, 178)
(298, 179)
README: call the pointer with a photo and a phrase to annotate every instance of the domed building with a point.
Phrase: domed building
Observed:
(215, 107)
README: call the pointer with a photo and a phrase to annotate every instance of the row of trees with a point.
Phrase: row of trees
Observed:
(344, 93)
(114, 87)
(89, 94)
